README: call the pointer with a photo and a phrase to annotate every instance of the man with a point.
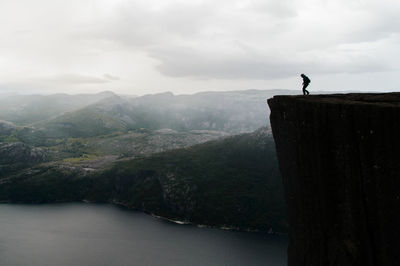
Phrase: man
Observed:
(306, 82)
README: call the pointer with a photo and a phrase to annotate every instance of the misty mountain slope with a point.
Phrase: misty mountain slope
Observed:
(85, 122)
(6, 128)
(108, 151)
(28, 109)
(233, 112)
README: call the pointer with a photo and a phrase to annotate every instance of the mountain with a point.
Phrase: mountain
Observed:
(86, 122)
(225, 183)
(232, 112)
(16, 156)
(232, 183)
(20, 152)
(6, 128)
(150, 153)
(28, 109)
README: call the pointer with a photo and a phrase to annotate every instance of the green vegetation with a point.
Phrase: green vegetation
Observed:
(44, 184)
(84, 157)
(83, 123)
(146, 153)
(24, 110)
(233, 182)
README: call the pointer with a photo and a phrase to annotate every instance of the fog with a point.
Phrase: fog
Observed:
(136, 47)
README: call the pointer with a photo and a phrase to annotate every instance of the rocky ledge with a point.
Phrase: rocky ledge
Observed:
(339, 156)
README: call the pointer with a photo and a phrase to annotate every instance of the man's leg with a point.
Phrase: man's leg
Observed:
(305, 92)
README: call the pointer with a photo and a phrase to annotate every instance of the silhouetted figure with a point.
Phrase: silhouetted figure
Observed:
(306, 82)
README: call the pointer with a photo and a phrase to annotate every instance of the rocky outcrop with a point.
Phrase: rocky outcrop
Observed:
(339, 156)
(6, 127)
(18, 152)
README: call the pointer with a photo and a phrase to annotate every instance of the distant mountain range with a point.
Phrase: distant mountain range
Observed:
(178, 157)
(24, 110)
(60, 115)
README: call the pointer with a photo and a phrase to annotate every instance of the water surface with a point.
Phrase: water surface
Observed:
(97, 234)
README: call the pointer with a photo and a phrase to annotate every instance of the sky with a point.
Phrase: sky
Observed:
(151, 46)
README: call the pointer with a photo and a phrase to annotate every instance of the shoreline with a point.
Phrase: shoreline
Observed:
(158, 217)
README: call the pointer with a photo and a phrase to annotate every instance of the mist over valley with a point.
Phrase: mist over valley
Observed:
(206, 158)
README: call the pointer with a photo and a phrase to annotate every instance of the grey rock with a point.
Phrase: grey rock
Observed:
(18, 152)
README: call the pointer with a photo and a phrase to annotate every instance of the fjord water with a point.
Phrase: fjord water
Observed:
(97, 234)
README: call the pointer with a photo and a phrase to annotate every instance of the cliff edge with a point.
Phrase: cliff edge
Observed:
(339, 156)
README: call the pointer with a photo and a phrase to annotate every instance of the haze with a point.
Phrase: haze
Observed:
(140, 47)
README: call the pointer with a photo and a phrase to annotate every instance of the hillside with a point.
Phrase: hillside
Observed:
(65, 116)
(220, 183)
(28, 109)
(226, 182)
(138, 152)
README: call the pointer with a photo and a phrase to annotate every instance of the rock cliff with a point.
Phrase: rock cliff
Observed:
(339, 156)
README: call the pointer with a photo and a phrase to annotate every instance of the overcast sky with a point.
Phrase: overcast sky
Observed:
(149, 46)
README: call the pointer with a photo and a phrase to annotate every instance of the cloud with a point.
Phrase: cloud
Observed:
(53, 82)
(248, 64)
(252, 39)
(177, 43)
(110, 77)
(71, 79)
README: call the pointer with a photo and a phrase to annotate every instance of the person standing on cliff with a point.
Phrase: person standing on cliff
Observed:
(306, 82)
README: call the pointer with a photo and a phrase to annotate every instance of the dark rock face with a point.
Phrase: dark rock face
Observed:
(19, 152)
(339, 156)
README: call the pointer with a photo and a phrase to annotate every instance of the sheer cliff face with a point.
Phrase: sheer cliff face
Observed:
(339, 156)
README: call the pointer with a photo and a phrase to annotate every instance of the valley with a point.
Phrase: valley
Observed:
(205, 159)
